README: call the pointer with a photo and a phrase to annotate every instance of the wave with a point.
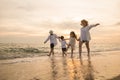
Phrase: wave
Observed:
(22, 50)
(44, 50)
(11, 53)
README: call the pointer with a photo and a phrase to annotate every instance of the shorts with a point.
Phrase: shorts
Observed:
(51, 45)
(84, 41)
(64, 49)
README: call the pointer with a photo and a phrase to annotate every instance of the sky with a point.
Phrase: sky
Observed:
(26, 19)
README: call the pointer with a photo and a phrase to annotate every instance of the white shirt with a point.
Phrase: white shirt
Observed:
(63, 43)
(52, 38)
(85, 34)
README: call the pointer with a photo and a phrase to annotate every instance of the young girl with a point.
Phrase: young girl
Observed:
(72, 42)
(53, 41)
(63, 45)
(85, 36)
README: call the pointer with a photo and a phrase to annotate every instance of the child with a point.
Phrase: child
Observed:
(63, 45)
(85, 36)
(53, 41)
(72, 42)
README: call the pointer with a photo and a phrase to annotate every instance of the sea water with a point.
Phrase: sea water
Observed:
(103, 39)
(14, 50)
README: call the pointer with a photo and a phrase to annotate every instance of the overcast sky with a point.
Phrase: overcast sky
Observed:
(37, 17)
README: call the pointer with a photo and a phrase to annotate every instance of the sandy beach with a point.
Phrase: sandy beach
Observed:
(101, 66)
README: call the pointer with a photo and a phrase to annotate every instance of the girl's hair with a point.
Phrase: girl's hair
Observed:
(74, 35)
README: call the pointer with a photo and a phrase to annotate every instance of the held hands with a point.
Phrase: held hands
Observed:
(44, 42)
(78, 39)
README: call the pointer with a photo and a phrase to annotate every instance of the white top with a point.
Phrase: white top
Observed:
(85, 34)
(63, 43)
(52, 38)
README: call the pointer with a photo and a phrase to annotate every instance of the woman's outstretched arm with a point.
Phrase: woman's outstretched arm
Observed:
(94, 25)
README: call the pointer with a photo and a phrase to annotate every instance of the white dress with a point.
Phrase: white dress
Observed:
(72, 42)
(85, 34)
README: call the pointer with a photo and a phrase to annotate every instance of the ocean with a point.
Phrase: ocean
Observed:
(20, 50)
(103, 39)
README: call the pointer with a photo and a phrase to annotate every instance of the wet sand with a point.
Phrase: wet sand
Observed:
(101, 66)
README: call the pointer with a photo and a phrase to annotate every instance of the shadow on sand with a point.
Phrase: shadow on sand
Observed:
(115, 78)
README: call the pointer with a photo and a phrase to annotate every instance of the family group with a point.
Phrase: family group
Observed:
(83, 39)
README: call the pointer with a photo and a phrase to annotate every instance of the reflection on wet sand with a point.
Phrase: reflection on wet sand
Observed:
(75, 70)
(53, 68)
(64, 63)
(71, 69)
(80, 71)
(88, 71)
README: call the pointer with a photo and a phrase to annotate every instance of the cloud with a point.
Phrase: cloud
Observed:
(117, 24)
(61, 25)
(28, 16)
(39, 28)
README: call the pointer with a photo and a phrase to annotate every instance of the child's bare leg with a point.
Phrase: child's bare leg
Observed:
(88, 48)
(68, 47)
(52, 51)
(63, 53)
(71, 53)
(80, 49)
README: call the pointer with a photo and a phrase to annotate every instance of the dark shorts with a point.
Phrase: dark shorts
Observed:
(64, 49)
(51, 45)
(84, 41)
